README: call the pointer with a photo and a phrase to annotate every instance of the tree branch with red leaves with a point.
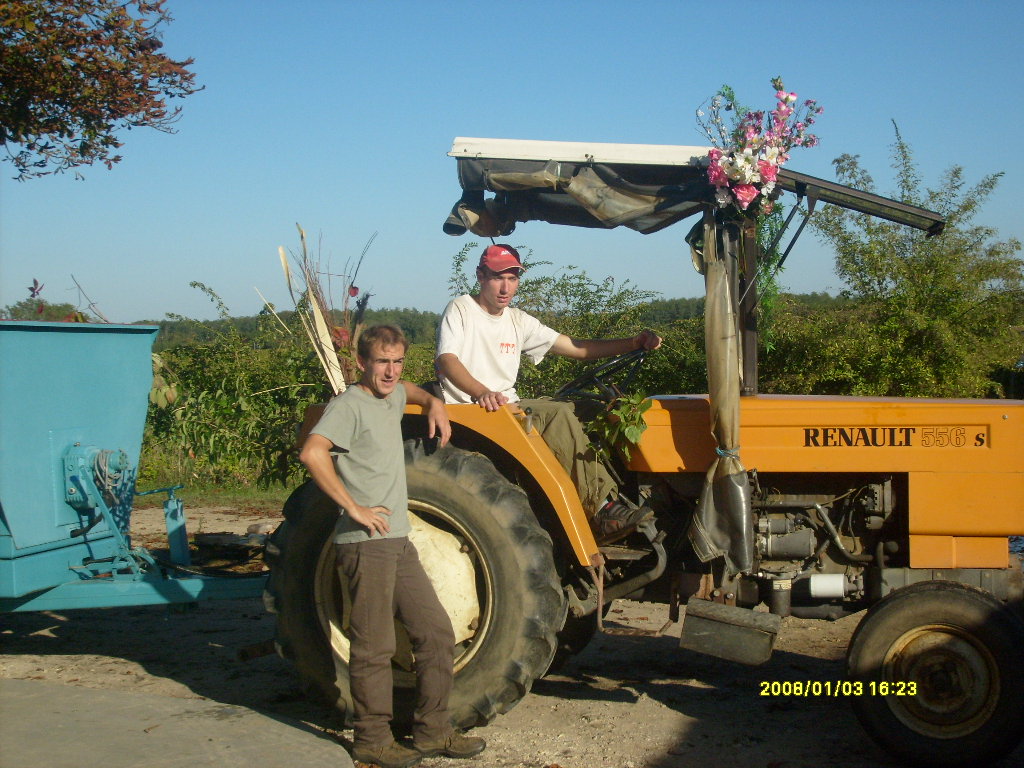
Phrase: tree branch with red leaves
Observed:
(75, 72)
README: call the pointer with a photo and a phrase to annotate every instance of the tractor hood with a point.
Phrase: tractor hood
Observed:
(645, 187)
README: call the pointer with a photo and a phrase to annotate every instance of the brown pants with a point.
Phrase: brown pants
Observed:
(386, 580)
(558, 424)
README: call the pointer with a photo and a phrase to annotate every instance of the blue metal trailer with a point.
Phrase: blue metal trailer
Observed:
(73, 400)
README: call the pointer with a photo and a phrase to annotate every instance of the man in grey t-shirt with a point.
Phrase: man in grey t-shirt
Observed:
(362, 427)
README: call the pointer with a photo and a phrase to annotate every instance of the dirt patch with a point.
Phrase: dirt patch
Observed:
(624, 702)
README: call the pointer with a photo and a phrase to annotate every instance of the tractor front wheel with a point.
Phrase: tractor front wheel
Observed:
(941, 671)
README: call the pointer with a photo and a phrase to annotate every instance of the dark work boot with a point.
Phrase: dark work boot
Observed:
(617, 519)
(388, 755)
(455, 745)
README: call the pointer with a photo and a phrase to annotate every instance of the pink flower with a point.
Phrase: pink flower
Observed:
(716, 176)
(745, 194)
(745, 172)
(768, 171)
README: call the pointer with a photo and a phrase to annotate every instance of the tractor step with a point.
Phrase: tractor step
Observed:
(635, 631)
(623, 553)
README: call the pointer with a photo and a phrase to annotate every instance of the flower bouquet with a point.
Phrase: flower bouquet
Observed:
(744, 163)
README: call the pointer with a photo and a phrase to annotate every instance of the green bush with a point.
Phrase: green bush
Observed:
(239, 402)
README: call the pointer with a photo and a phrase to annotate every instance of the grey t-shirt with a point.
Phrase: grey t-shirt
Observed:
(367, 430)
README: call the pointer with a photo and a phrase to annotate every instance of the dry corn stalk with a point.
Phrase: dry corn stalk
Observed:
(312, 304)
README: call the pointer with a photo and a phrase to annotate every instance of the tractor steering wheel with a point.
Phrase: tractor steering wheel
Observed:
(599, 377)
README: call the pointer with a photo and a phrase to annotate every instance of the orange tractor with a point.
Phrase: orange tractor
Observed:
(766, 506)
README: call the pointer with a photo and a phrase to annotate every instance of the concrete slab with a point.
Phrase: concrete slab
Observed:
(61, 726)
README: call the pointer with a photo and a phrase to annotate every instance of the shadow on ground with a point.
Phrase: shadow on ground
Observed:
(183, 651)
(713, 711)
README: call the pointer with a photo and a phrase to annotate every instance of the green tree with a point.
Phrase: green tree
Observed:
(930, 316)
(37, 309)
(663, 311)
(73, 72)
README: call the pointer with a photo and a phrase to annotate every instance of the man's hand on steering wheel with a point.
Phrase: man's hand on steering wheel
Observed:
(647, 340)
(599, 377)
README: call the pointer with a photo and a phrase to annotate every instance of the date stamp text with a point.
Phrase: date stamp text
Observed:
(837, 688)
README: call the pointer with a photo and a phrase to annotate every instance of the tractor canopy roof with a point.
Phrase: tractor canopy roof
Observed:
(645, 187)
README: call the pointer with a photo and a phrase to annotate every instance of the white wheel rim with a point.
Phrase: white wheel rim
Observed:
(449, 555)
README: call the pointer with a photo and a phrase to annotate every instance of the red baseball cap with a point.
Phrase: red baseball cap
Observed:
(501, 257)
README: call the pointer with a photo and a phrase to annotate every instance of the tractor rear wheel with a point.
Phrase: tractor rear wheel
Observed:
(941, 667)
(489, 560)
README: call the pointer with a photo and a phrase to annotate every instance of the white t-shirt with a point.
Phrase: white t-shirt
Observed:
(490, 345)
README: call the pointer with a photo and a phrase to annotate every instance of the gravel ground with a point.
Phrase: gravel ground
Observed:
(624, 702)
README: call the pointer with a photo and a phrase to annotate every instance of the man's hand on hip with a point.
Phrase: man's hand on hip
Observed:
(373, 518)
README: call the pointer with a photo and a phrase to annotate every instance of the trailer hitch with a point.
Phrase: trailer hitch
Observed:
(174, 517)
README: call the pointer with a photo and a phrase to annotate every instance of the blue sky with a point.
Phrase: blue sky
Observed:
(338, 116)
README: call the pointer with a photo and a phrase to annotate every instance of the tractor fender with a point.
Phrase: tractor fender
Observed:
(507, 428)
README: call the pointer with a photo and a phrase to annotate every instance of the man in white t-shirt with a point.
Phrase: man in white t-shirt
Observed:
(479, 343)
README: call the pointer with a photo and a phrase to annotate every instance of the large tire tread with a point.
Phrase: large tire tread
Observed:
(529, 605)
(508, 679)
(309, 520)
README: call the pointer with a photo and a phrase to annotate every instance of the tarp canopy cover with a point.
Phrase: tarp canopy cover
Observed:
(643, 187)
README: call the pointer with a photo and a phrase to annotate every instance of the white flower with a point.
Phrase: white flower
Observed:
(731, 166)
(767, 188)
(722, 197)
(745, 169)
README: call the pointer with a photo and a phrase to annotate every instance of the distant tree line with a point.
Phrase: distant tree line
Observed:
(419, 326)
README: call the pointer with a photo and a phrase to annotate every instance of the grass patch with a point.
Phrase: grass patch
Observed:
(247, 498)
